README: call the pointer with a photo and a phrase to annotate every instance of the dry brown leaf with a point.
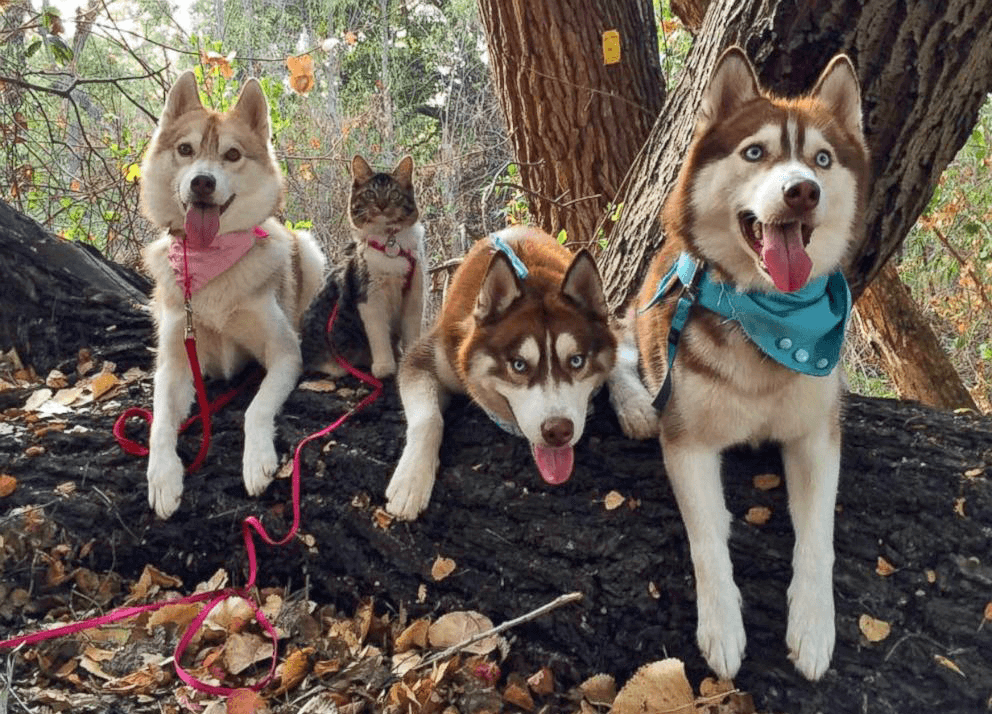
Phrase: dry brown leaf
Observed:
(599, 689)
(293, 670)
(931, 575)
(519, 696)
(382, 518)
(37, 398)
(766, 482)
(103, 383)
(56, 380)
(945, 662)
(758, 515)
(442, 568)
(179, 614)
(542, 682)
(456, 627)
(242, 650)
(974, 473)
(959, 506)
(327, 666)
(988, 612)
(884, 567)
(8, 484)
(403, 662)
(613, 500)
(150, 581)
(414, 636)
(656, 688)
(874, 630)
(318, 385)
(653, 590)
(245, 701)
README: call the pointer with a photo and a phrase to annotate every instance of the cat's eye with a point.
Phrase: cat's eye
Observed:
(185, 149)
(232, 154)
(577, 361)
(518, 365)
(823, 159)
(368, 194)
(755, 152)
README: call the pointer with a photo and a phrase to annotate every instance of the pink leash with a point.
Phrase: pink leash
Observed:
(249, 525)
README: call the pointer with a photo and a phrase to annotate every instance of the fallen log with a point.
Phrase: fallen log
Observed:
(915, 491)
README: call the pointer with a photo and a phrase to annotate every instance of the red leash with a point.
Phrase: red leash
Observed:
(248, 526)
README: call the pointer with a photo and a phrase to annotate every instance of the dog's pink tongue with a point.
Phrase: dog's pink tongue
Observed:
(554, 463)
(784, 255)
(202, 225)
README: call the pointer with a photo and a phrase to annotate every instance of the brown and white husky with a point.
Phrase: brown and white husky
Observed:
(210, 181)
(766, 208)
(524, 331)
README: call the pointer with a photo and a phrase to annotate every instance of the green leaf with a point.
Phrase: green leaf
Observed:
(562, 237)
(32, 48)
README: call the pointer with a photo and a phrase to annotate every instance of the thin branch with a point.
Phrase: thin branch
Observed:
(533, 615)
(979, 284)
(554, 201)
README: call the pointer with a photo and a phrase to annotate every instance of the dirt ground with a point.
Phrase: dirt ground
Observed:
(915, 492)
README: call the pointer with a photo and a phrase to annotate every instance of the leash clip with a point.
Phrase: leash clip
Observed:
(190, 332)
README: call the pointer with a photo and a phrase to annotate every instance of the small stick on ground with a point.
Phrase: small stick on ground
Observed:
(532, 615)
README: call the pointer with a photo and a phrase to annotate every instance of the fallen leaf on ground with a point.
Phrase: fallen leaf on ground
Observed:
(945, 662)
(884, 567)
(442, 568)
(874, 630)
(758, 515)
(415, 635)
(613, 500)
(457, 627)
(8, 484)
(656, 688)
(245, 701)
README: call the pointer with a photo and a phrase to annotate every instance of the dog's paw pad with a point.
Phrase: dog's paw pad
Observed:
(165, 484)
(260, 465)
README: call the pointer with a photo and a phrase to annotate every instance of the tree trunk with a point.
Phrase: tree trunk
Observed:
(576, 123)
(57, 297)
(907, 347)
(925, 70)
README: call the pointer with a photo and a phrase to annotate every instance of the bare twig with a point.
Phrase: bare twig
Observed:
(979, 285)
(532, 615)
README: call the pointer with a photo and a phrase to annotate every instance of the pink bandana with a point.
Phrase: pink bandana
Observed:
(198, 262)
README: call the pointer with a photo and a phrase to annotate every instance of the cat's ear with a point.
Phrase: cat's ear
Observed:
(403, 173)
(360, 169)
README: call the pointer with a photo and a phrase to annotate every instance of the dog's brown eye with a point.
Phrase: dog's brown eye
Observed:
(185, 149)
(518, 365)
(232, 155)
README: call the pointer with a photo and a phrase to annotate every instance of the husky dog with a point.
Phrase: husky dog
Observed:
(378, 288)
(739, 325)
(525, 333)
(211, 183)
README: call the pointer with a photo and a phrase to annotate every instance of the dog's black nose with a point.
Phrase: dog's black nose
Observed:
(557, 431)
(801, 195)
(203, 185)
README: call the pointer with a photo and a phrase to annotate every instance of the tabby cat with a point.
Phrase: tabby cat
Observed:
(378, 288)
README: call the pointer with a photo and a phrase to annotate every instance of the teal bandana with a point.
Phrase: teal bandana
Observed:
(801, 330)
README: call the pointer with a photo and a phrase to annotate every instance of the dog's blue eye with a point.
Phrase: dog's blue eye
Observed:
(754, 152)
(518, 365)
(576, 361)
(823, 159)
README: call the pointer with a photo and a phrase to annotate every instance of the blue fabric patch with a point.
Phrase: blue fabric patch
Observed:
(518, 265)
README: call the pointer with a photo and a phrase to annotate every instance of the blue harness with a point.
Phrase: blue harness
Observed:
(802, 330)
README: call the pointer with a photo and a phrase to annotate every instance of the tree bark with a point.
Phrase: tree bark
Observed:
(907, 347)
(575, 123)
(57, 297)
(925, 70)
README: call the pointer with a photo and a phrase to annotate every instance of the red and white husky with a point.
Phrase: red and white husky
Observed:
(768, 203)
(524, 331)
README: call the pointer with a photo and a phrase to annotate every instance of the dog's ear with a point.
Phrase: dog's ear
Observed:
(360, 169)
(839, 89)
(500, 288)
(732, 85)
(583, 286)
(403, 173)
(183, 97)
(252, 107)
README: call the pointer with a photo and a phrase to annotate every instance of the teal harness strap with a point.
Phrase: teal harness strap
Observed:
(802, 330)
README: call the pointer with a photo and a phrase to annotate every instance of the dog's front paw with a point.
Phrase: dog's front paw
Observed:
(383, 368)
(811, 632)
(720, 632)
(165, 482)
(638, 418)
(409, 489)
(260, 464)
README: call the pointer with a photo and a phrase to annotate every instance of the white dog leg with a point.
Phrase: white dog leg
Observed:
(283, 366)
(172, 394)
(424, 399)
(694, 472)
(630, 398)
(812, 469)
